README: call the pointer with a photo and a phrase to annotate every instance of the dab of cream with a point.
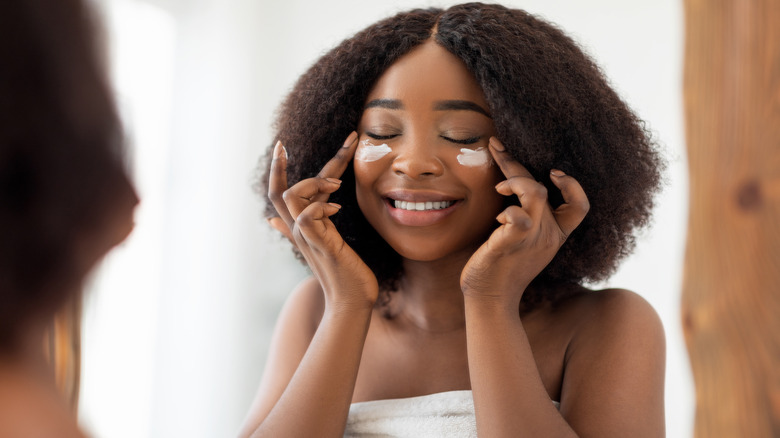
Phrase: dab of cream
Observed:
(369, 152)
(474, 157)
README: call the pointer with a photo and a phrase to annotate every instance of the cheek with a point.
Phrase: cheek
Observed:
(482, 182)
(366, 175)
(368, 165)
(476, 166)
(365, 172)
(368, 152)
(478, 158)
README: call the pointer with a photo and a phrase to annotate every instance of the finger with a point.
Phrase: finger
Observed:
(531, 194)
(315, 227)
(516, 226)
(277, 183)
(516, 217)
(336, 166)
(279, 225)
(308, 191)
(508, 165)
(575, 202)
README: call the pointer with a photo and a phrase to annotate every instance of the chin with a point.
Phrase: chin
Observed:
(432, 251)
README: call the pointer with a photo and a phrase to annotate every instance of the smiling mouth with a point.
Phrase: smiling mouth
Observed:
(421, 206)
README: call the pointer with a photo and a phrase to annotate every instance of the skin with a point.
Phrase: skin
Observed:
(454, 322)
(30, 403)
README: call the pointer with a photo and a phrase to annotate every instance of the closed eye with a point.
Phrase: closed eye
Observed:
(381, 137)
(470, 140)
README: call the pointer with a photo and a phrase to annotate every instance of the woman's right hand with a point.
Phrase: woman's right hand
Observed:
(304, 213)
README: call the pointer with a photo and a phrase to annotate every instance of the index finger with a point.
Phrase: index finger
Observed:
(508, 165)
(277, 183)
(575, 205)
(336, 166)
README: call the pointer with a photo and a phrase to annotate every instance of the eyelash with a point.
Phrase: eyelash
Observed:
(465, 141)
(381, 137)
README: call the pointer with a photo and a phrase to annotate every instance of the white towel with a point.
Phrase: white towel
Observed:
(445, 414)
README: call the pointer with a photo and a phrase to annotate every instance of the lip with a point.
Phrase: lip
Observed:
(419, 218)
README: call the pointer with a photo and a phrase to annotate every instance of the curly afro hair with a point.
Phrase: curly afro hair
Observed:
(551, 106)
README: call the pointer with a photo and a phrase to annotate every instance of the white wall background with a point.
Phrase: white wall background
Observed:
(178, 319)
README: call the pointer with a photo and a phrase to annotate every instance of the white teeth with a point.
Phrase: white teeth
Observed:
(421, 206)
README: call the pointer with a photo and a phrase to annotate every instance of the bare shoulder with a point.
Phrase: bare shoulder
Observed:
(294, 330)
(615, 314)
(615, 366)
(306, 304)
(614, 321)
(28, 407)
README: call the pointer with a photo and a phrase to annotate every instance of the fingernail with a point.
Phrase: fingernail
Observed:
(272, 222)
(333, 204)
(333, 180)
(501, 184)
(496, 144)
(351, 139)
(556, 172)
(279, 150)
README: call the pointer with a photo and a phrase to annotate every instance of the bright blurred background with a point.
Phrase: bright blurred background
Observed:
(178, 319)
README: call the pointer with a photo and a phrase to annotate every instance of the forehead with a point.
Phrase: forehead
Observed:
(426, 74)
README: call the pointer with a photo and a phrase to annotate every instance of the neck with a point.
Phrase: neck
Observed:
(430, 297)
(27, 353)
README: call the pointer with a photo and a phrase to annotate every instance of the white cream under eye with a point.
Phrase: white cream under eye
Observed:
(368, 152)
(474, 157)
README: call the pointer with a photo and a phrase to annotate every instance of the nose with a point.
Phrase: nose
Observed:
(417, 159)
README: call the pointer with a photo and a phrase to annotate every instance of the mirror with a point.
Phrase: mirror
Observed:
(178, 320)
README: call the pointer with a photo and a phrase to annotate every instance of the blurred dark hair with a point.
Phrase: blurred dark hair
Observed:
(552, 108)
(65, 198)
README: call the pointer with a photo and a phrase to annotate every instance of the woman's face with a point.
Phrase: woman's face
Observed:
(425, 179)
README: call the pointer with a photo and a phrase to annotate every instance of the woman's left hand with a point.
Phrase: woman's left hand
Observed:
(529, 236)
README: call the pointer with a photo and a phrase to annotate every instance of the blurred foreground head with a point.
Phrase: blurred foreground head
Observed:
(65, 198)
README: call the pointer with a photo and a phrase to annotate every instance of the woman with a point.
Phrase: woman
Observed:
(65, 198)
(491, 173)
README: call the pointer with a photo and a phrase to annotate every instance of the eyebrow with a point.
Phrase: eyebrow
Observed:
(458, 105)
(443, 105)
(393, 104)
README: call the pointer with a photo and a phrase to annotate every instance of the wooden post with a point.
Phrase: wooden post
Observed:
(731, 286)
